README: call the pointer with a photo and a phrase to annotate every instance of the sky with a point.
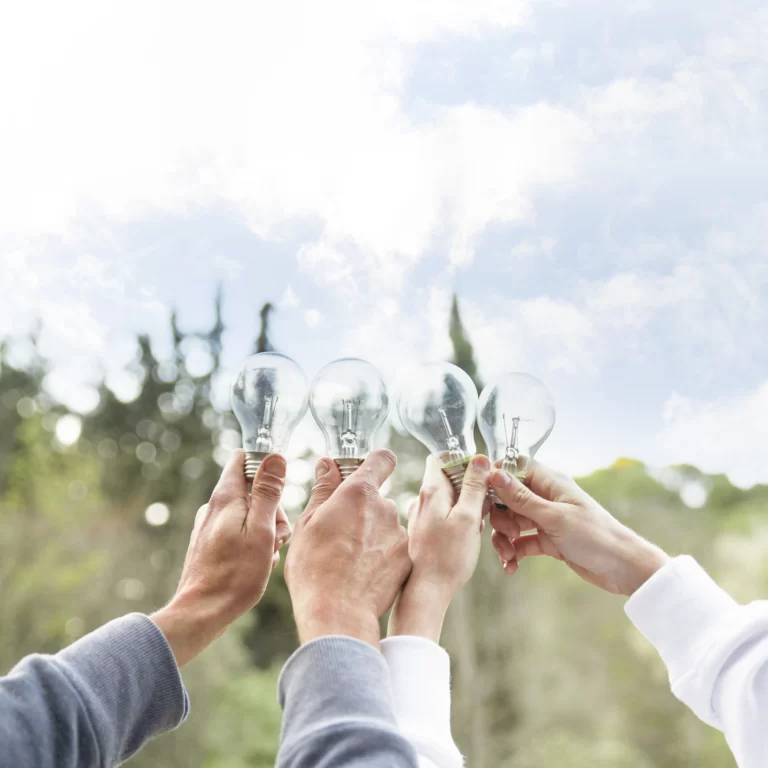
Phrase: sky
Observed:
(589, 177)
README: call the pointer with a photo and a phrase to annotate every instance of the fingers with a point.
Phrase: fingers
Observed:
(503, 546)
(282, 528)
(525, 524)
(327, 480)
(547, 482)
(474, 488)
(282, 534)
(524, 502)
(267, 489)
(436, 494)
(535, 545)
(377, 468)
(232, 483)
(505, 522)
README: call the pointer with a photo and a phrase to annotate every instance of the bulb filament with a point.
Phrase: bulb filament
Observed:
(512, 451)
(264, 437)
(452, 442)
(349, 429)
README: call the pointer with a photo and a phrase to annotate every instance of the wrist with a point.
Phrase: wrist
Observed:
(641, 561)
(324, 618)
(190, 625)
(420, 611)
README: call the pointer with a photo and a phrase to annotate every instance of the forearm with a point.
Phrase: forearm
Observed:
(419, 611)
(190, 624)
(716, 652)
(95, 703)
(336, 618)
(338, 709)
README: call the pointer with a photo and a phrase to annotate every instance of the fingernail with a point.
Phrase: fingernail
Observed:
(274, 465)
(321, 469)
(482, 463)
(500, 479)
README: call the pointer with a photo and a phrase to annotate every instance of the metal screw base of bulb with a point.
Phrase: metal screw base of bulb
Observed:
(497, 501)
(253, 461)
(347, 467)
(456, 474)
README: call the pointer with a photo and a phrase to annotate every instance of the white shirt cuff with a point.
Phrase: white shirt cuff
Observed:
(679, 610)
(420, 673)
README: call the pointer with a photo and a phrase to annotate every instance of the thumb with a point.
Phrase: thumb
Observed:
(327, 480)
(268, 487)
(523, 501)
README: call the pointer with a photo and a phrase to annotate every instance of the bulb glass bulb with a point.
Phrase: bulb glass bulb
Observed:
(516, 414)
(350, 403)
(269, 399)
(438, 405)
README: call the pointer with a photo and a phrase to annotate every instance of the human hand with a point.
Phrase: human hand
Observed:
(349, 555)
(572, 527)
(444, 545)
(234, 547)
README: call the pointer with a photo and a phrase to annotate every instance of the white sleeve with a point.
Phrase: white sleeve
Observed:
(420, 672)
(716, 652)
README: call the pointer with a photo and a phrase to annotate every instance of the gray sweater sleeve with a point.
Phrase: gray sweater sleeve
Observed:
(339, 710)
(95, 703)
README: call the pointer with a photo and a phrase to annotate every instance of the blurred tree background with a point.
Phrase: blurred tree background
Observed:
(95, 514)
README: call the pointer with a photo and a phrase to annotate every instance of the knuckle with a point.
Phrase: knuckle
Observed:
(427, 494)
(386, 457)
(464, 512)
(390, 508)
(362, 488)
(521, 496)
(475, 483)
(268, 489)
(218, 501)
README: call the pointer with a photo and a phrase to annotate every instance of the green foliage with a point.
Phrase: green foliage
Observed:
(546, 670)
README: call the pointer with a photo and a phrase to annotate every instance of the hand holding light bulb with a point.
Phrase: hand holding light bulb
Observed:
(350, 403)
(570, 526)
(269, 399)
(516, 414)
(438, 405)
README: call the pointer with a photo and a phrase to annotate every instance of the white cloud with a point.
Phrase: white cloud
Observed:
(726, 435)
(303, 118)
(313, 318)
(321, 136)
(290, 298)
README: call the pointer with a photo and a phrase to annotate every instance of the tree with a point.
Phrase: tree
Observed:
(463, 351)
(263, 344)
(546, 669)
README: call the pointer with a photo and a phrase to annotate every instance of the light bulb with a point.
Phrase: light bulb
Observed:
(349, 401)
(269, 398)
(437, 405)
(516, 414)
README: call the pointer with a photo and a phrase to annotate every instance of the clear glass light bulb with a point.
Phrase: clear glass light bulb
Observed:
(516, 414)
(437, 405)
(349, 401)
(269, 399)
